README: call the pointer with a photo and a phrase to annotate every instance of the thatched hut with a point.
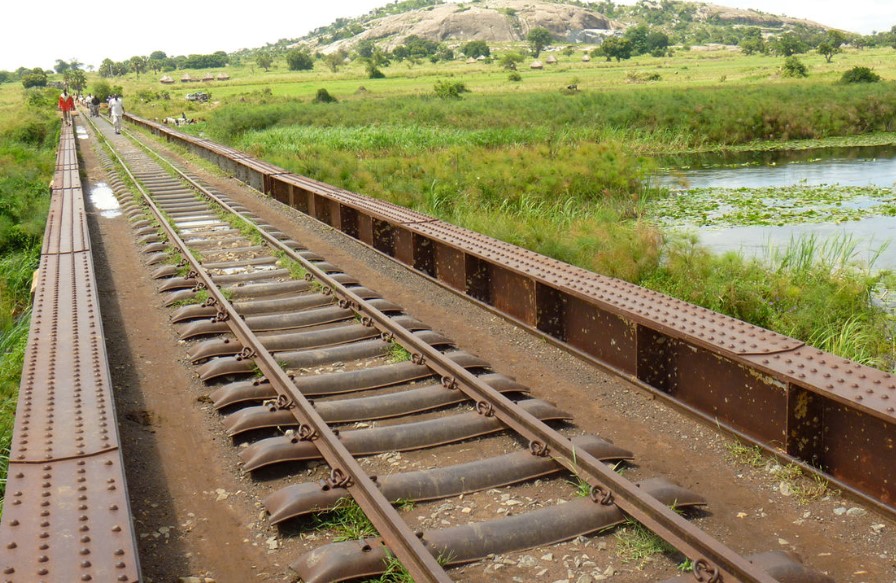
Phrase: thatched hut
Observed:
(166, 80)
(536, 65)
(208, 77)
(186, 78)
(551, 60)
(585, 58)
(471, 61)
(222, 77)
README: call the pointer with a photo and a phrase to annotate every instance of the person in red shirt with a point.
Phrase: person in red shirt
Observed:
(66, 104)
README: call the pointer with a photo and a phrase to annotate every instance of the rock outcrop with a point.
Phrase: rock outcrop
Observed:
(492, 21)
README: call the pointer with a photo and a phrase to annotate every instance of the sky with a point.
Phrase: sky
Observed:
(38, 32)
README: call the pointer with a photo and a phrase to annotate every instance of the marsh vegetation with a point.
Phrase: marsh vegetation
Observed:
(567, 172)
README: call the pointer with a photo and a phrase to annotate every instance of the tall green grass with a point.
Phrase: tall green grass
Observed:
(563, 174)
(811, 290)
(695, 116)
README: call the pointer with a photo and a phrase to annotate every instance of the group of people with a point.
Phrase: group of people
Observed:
(116, 108)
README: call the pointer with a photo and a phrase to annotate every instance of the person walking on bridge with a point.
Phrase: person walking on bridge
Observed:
(66, 105)
(116, 109)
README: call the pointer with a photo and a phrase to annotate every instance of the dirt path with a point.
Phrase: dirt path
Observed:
(198, 515)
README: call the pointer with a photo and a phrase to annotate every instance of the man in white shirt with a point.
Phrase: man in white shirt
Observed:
(116, 110)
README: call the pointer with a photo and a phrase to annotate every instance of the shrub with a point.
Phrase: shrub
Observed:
(299, 60)
(514, 76)
(34, 80)
(476, 48)
(323, 96)
(793, 67)
(450, 89)
(860, 75)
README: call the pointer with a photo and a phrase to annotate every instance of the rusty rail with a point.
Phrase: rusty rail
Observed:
(347, 472)
(825, 413)
(67, 515)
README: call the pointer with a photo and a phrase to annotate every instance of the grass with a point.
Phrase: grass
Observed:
(748, 455)
(804, 489)
(637, 544)
(296, 269)
(347, 521)
(397, 353)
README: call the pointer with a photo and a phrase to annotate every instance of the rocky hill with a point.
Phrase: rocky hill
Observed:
(492, 21)
(511, 20)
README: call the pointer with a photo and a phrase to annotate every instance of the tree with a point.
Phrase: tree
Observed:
(372, 64)
(606, 7)
(61, 66)
(827, 50)
(138, 65)
(415, 47)
(836, 38)
(157, 60)
(102, 89)
(476, 48)
(107, 68)
(538, 39)
(299, 60)
(75, 79)
(657, 43)
(830, 46)
(264, 60)
(365, 48)
(789, 44)
(335, 60)
(637, 36)
(615, 48)
(36, 78)
(752, 42)
(509, 61)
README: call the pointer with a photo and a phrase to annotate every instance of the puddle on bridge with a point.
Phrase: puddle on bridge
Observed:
(81, 132)
(103, 199)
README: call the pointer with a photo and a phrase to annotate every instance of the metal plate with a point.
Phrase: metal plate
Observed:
(66, 229)
(65, 406)
(858, 386)
(68, 521)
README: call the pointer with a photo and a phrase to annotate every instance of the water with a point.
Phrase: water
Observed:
(103, 199)
(866, 166)
(875, 236)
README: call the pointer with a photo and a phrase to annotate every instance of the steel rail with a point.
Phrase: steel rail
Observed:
(346, 472)
(713, 560)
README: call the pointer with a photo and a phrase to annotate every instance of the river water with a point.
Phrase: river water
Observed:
(875, 236)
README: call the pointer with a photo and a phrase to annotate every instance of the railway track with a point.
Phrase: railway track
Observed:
(334, 320)
(304, 363)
